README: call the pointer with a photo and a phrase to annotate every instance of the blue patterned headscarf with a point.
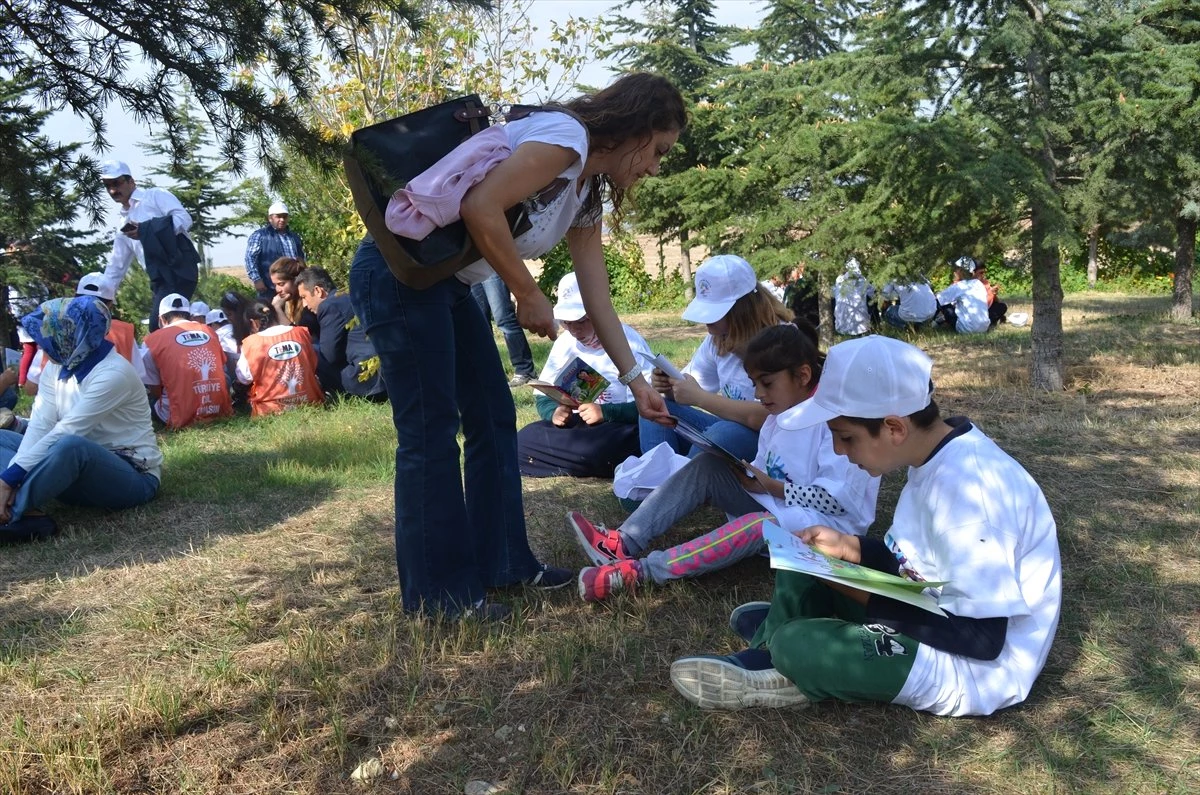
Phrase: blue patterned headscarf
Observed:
(69, 330)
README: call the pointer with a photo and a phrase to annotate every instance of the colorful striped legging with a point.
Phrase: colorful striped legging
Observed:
(710, 552)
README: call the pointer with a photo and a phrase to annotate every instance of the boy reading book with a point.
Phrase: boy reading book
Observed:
(969, 515)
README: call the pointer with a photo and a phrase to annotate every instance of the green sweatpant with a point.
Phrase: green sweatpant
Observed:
(818, 640)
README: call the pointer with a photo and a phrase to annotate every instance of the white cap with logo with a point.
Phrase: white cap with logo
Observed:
(570, 302)
(216, 316)
(198, 308)
(720, 282)
(173, 303)
(112, 169)
(869, 378)
(277, 208)
(96, 284)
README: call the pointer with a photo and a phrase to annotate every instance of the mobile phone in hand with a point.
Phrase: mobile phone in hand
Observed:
(129, 227)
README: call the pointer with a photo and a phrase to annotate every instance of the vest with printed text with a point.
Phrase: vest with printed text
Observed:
(191, 368)
(283, 369)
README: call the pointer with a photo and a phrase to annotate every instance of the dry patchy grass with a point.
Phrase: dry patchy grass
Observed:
(243, 634)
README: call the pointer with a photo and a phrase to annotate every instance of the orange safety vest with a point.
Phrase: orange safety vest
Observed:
(283, 371)
(120, 334)
(191, 368)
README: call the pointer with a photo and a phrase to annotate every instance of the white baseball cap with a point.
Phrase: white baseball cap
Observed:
(173, 303)
(111, 169)
(720, 282)
(198, 308)
(216, 316)
(965, 263)
(96, 284)
(870, 378)
(570, 302)
(277, 208)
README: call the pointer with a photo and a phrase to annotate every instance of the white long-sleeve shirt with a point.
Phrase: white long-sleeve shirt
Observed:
(144, 204)
(108, 407)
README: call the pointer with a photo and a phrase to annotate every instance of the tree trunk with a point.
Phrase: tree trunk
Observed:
(825, 309)
(1185, 263)
(1093, 265)
(1046, 343)
(685, 265)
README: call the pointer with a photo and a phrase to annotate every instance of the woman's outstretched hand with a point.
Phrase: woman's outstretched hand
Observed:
(650, 404)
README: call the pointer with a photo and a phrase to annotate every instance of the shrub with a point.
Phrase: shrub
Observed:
(632, 287)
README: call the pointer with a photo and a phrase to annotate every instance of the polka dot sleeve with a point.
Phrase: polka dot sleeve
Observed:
(813, 497)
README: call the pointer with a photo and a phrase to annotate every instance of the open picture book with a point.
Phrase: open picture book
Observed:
(578, 383)
(697, 438)
(788, 552)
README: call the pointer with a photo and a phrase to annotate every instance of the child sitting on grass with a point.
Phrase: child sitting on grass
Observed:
(798, 481)
(969, 515)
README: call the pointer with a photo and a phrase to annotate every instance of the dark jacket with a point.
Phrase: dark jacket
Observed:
(170, 257)
(343, 350)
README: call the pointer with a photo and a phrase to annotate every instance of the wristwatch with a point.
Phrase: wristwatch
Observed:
(629, 377)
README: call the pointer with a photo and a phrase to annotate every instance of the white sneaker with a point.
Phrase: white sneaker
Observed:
(712, 682)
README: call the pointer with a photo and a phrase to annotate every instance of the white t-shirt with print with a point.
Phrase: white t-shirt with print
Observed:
(917, 302)
(974, 517)
(566, 348)
(551, 222)
(806, 457)
(720, 374)
(969, 297)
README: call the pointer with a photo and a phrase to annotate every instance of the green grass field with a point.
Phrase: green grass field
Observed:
(242, 633)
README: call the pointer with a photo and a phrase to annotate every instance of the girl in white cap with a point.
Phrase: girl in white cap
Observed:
(591, 439)
(715, 394)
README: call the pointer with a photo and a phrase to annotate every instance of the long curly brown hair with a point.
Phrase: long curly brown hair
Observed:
(635, 106)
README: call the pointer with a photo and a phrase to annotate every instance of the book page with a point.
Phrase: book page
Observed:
(789, 553)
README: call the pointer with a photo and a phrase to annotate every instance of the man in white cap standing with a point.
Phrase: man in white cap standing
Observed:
(153, 227)
(269, 243)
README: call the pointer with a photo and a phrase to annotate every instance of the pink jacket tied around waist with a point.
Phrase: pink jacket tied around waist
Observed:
(432, 199)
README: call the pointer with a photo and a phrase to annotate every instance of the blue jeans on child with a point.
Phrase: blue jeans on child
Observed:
(8, 398)
(77, 471)
(442, 370)
(733, 436)
(494, 298)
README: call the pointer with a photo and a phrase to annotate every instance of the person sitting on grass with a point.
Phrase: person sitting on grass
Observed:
(963, 305)
(969, 516)
(279, 364)
(346, 360)
(798, 481)
(590, 440)
(716, 394)
(185, 367)
(915, 304)
(89, 440)
(997, 309)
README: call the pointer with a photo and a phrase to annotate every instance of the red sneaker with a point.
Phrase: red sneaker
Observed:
(597, 583)
(599, 544)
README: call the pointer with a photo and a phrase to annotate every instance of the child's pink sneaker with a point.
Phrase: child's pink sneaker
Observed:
(599, 544)
(597, 583)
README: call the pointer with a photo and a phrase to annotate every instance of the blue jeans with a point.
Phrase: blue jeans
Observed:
(8, 398)
(733, 436)
(77, 471)
(442, 370)
(494, 299)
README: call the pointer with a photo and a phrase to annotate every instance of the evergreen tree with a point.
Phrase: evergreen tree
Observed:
(200, 181)
(680, 40)
(89, 54)
(40, 253)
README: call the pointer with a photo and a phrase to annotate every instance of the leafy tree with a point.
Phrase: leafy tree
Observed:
(88, 54)
(200, 181)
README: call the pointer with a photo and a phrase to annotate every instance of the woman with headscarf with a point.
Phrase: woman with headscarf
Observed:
(89, 440)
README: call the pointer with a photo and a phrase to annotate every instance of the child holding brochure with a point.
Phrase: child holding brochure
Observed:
(969, 516)
(716, 394)
(590, 439)
(798, 480)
